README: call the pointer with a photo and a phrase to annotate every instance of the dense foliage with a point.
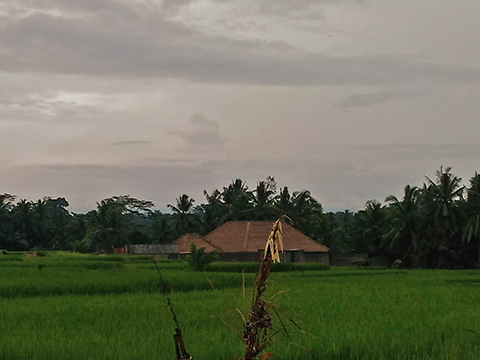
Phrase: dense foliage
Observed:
(435, 225)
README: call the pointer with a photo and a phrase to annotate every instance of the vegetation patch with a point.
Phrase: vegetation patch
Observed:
(381, 314)
(251, 267)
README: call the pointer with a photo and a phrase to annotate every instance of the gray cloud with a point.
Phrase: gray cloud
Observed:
(378, 171)
(284, 8)
(306, 9)
(173, 6)
(360, 100)
(131, 143)
(204, 133)
(124, 75)
(83, 185)
(49, 107)
(140, 42)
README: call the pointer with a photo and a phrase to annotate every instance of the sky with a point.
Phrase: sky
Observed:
(350, 99)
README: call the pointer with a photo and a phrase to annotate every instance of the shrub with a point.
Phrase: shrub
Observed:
(198, 259)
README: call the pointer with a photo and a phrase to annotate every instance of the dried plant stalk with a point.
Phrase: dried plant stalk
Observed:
(259, 320)
(180, 349)
(275, 242)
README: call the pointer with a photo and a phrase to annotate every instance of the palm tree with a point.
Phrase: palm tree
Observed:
(23, 226)
(404, 223)
(237, 199)
(213, 213)
(184, 220)
(109, 225)
(6, 206)
(441, 218)
(444, 192)
(283, 202)
(58, 219)
(371, 224)
(471, 231)
(305, 213)
(184, 204)
(262, 199)
(160, 228)
(343, 235)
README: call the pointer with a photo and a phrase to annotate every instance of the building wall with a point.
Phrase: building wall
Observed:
(287, 256)
(152, 249)
(170, 251)
(316, 257)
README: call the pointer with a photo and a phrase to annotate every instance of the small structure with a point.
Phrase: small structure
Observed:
(160, 250)
(245, 240)
(241, 241)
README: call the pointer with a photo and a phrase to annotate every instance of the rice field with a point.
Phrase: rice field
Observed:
(93, 307)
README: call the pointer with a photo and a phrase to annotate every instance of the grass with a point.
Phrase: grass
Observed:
(78, 312)
(251, 267)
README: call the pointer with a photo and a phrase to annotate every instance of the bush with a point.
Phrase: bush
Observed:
(198, 259)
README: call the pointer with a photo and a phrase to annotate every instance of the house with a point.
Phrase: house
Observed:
(245, 240)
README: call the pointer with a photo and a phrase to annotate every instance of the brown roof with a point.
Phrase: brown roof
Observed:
(251, 236)
(183, 243)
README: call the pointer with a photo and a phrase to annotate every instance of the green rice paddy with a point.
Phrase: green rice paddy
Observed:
(98, 307)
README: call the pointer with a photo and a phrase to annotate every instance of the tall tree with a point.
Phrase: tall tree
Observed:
(237, 200)
(262, 200)
(441, 218)
(6, 229)
(24, 226)
(344, 233)
(371, 226)
(302, 211)
(109, 224)
(283, 202)
(471, 231)
(183, 217)
(160, 228)
(403, 235)
(213, 213)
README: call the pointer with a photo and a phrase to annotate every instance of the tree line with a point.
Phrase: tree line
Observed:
(435, 225)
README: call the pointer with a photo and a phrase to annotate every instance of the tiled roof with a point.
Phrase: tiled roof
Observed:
(183, 243)
(250, 236)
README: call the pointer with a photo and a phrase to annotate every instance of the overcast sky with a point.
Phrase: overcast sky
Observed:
(350, 99)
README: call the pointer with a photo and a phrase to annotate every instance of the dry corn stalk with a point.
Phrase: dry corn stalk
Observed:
(274, 242)
(259, 321)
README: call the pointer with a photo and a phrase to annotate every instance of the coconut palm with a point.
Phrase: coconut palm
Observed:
(109, 225)
(6, 206)
(441, 218)
(237, 200)
(213, 213)
(306, 214)
(57, 221)
(343, 234)
(403, 235)
(263, 199)
(23, 226)
(371, 228)
(471, 233)
(183, 218)
(283, 202)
